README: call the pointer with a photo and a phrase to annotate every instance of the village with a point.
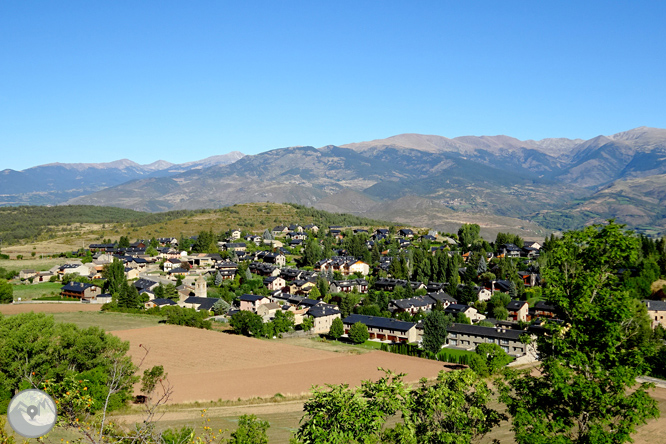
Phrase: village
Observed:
(387, 279)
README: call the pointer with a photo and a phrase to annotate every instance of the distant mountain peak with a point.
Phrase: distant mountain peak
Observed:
(119, 164)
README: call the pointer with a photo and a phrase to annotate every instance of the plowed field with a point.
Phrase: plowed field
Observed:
(207, 366)
(12, 309)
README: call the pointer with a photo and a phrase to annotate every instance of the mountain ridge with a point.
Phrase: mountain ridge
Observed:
(499, 176)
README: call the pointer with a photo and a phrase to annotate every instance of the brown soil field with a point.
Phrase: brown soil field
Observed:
(12, 309)
(206, 365)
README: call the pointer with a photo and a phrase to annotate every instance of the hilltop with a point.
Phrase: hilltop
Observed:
(48, 230)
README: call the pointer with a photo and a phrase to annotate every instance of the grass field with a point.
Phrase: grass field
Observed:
(30, 264)
(31, 291)
(108, 321)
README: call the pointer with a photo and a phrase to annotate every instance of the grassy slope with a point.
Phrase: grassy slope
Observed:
(107, 321)
(252, 217)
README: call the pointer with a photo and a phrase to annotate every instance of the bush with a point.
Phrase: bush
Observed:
(188, 317)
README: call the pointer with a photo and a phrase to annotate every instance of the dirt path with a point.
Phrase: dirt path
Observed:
(193, 414)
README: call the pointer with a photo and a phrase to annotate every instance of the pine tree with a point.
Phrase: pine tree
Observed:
(482, 267)
(218, 279)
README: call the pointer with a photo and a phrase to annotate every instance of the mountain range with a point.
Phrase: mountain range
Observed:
(554, 183)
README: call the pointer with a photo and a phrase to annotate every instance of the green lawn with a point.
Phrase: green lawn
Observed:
(31, 291)
(371, 344)
(456, 352)
(108, 321)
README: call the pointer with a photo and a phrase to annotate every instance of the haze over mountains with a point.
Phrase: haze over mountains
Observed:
(558, 183)
(56, 183)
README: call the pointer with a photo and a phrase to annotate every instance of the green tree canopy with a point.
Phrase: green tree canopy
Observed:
(587, 390)
(434, 330)
(358, 333)
(337, 329)
(6, 292)
(247, 323)
(489, 359)
(468, 233)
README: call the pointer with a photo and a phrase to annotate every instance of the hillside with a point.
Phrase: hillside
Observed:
(57, 229)
(58, 182)
(310, 176)
(543, 181)
(639, 203)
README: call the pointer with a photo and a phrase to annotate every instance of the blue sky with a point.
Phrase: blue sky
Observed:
(180, 81)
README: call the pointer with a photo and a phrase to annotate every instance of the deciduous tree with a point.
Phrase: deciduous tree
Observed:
(434, 330)
(586, 391)
(337, 329)
(358, 333)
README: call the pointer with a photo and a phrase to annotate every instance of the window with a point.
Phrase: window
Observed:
(504, 341)
(506, 349)
(452, 335)
(453, 342)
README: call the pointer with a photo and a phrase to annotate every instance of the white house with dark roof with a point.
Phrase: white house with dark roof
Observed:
(657, 312)
(274, 282)
(251, 302)
(471, 312)
(518, 310)
(323, 316)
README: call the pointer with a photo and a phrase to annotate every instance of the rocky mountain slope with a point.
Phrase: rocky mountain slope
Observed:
(546, 181)
(58, 182)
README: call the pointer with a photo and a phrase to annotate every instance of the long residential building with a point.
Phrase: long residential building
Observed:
(467, 337)
(384, 329)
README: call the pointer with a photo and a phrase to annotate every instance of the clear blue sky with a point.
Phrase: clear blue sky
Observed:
(180, 81)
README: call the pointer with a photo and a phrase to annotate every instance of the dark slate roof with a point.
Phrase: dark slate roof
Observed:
(322, 310)
(418, 301)
(204, 303)
(379, 322)
(486, 332)
(144, 283)
(251, 297)
(310, 302)
(656, 305)
(163, 301)
(502, 285)
(178, 270)
(456, 308)
(442, 297)
(76, 286)
(515, 305)
(540, 305)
